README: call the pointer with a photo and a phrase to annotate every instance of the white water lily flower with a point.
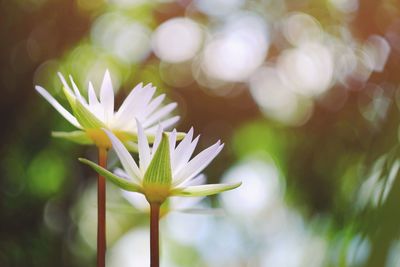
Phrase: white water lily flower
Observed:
(91, 115)
(164, 170)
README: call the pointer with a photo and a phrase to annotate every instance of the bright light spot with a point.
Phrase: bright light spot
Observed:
(46, 174)
(238, 50)
(218, 7)
(346, 6)
(223, 245)
(228, 59)
(131, 250)
(126, 2)
(177, 40)
(84, 214)
(374, 104)
(308, 69)
(276, 100)
(393, 259)
(260, 189)
(304, 251)
(127, 39)
(53, 216)
(209, 84)
(85, 225)
(375, 189)
(377, 50)
(358, 251)
(137, 200)
(176, 75)
(345, 61)
(189, 229)
(299, 28)
(364, 67)
(286, 231)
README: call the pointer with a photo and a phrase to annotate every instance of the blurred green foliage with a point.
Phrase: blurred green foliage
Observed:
(339, 163)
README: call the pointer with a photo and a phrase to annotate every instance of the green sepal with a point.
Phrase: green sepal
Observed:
(71, 98)
(85, 117)
(159, 171)
(82, 114)
(79, 137)
(203, 190)
(118, 181)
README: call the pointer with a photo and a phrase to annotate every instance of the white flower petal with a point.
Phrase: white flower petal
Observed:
(135, 107)
(76, 90)
(68, 116)
(64, 82)
(183, 203)
(197, 164)
(157, 140)
(144, 149)
(92, 95)
(126, 159)
(164, 124)
(184, 151)
(137, 200)
(129, 100)
(172, 143)
(159, 114)
(153, 105)
(122, 173)
(148, 93)
(204, 190)
(197, 180)
(94, 105)
(107, 96)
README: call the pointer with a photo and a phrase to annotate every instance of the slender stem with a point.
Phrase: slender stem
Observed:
(154, 234)
(101, 211)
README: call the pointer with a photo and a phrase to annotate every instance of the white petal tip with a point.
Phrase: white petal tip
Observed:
(108, 132)
(39, 88)
(61, 76)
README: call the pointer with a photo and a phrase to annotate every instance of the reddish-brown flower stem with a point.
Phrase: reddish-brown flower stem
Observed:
(101, 211)
(154, 234)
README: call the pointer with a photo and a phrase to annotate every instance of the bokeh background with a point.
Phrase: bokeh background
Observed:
(304, 94)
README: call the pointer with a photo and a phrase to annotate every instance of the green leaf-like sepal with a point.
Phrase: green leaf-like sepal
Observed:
(158, 177)
(120, 182)
(203, 190)
(85, 117)
(79, 137)
(71, 98)
(82, 114)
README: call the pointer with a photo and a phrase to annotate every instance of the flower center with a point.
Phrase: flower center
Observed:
(100, 138)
